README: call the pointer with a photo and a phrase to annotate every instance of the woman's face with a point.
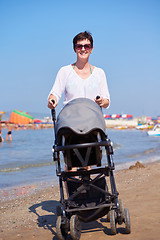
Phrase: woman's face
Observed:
(83, 49)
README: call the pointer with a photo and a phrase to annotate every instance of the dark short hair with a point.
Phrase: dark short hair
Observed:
(82, 36)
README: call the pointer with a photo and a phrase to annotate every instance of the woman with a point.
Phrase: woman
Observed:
(81, 79)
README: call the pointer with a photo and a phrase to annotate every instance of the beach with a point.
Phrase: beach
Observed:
(32, 213)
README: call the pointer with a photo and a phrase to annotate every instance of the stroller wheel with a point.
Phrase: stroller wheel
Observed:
(61, 229)
(127, 221)
(108, 216)
(121, 209)
(113, 222)
(75, 227)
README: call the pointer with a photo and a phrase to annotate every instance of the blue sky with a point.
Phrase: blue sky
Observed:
(36, 40)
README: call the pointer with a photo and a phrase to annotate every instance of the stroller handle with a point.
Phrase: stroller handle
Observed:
(53, 112)
(97, 97)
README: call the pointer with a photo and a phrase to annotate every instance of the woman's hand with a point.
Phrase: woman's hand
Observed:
(102, 102)
(52, 105)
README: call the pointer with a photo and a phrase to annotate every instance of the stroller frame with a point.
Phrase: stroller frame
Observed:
(70, 213)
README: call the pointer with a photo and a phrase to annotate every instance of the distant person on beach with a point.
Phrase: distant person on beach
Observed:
(9, 133)
(80, 79)
(1, 138)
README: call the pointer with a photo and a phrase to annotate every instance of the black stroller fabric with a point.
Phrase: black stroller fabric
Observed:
(88, 198)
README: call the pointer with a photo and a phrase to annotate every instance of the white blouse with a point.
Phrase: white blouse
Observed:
(69, 82)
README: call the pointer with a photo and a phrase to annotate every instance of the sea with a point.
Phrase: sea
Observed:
(27, 160)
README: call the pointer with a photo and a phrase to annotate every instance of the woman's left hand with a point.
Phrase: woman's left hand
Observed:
(102, 102)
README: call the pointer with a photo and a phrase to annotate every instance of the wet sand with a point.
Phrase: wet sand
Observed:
(32, 214)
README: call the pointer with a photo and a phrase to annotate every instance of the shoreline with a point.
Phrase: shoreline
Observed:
(32, 215)
(16, 191)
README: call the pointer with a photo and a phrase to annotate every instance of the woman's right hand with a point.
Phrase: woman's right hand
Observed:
(52, 104)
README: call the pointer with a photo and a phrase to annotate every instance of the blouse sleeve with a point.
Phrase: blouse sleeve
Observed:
(103, 85)
(59, 84)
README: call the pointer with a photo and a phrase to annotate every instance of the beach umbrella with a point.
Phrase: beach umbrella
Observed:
(19, 117)
(114, 116)
(127, 116)
(148, 118)
(124, 115)
(107, 116)
(38, 121)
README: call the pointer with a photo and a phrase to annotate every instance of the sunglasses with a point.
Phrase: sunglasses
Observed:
(80, 46)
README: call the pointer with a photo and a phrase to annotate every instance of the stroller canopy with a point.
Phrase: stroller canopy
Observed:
(82, 116)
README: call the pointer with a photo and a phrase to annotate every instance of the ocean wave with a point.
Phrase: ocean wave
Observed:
(116, 146)
(146, 152)
(15, 169)
(150, 150)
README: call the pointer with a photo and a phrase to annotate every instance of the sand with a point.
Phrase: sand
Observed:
(32, 213)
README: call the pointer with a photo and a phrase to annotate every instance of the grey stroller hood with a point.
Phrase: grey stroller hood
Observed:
(82, 116)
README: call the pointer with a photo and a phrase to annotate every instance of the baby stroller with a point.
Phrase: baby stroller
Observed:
(80, 138)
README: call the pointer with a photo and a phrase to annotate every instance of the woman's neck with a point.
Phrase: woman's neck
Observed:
(82, 64)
